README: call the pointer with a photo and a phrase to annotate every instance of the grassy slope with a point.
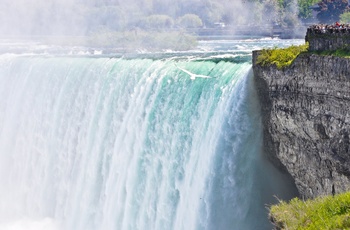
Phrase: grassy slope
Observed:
(329, 212)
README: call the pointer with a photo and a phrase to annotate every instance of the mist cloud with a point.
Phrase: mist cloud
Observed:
(30, 18)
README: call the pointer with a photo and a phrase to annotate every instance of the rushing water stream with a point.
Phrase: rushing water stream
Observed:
(152, 141)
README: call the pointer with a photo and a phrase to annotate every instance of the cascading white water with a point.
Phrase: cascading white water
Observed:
(113, 143)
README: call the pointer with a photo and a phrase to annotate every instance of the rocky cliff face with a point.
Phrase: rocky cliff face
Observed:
(306, 115)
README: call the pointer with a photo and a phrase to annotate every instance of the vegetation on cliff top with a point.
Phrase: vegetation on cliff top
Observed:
(329, 212)
(280, 57)
(345, 53)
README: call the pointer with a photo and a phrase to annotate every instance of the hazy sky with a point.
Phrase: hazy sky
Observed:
(40, 17)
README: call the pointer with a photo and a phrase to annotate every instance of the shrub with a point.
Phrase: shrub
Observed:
(280, 57)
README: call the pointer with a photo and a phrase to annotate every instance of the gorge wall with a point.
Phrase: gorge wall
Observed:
(306, 118)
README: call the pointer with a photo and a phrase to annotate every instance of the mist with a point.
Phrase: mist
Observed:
(64, 17)
(40, 17)
(136, 23)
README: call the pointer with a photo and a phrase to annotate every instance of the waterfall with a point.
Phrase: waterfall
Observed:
(116, 143)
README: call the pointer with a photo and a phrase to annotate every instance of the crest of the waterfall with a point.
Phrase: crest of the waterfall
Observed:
(105, 143)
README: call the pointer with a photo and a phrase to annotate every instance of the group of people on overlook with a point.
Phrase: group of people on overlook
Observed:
(333, 28)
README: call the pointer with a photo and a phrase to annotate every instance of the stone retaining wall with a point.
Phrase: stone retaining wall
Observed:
(328, 38)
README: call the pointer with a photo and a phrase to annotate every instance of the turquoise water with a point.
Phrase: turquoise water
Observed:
(133, 143)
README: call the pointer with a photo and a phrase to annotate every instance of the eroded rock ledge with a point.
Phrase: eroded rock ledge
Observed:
(306, 118)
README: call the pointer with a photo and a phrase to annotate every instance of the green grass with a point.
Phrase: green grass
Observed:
(280, 57)
(321, 213)
(338, 53)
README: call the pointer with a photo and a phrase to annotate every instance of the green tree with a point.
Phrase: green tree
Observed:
(189, 21)
(330, 10)
(157, 22)
(288, 14)
(345, 17)
(208, 10)
(304, 8)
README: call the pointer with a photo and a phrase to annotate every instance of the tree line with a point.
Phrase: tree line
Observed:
(87, 16)
(134, 21)
(184, 14)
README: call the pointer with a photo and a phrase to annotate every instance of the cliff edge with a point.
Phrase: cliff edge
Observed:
(306, 119)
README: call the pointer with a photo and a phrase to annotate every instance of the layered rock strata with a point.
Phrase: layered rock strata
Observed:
(306, 118)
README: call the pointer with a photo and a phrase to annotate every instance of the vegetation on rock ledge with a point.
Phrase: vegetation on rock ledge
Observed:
(280, 57)
(329, 212)
(338, 53)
